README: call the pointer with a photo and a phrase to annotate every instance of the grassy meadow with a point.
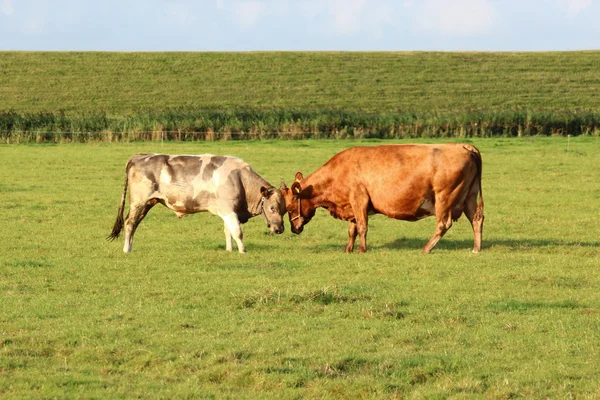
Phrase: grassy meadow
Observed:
(295, 317)
(97, 96)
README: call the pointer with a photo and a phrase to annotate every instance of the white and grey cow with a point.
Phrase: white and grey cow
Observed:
(223, 185)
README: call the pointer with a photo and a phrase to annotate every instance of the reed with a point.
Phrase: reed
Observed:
(194, 125)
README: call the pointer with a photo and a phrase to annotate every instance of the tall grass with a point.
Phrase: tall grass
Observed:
(190, 125)
(197, 96)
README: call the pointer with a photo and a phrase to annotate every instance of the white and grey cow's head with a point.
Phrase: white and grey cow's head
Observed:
(273, 208)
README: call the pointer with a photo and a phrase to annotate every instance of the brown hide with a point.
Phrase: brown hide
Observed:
(405, 182)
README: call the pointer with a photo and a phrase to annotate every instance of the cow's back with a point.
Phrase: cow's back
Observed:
(399, 178)
(186, 183)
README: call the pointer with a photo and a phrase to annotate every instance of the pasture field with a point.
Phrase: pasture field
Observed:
(81, 96)
(295, 317)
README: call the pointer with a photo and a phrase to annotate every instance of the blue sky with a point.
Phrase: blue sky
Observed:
(248, 25)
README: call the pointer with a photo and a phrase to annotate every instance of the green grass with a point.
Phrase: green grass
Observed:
(76, 96)
(373, 82)
(295, 317)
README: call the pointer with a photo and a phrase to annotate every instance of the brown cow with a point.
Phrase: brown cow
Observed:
(403, 181)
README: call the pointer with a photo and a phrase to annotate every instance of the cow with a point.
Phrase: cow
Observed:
(223, 185)
(402, 181)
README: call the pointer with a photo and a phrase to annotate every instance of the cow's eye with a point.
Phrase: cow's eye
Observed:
(272, 209)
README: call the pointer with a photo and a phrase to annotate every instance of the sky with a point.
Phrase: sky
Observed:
(265, 25)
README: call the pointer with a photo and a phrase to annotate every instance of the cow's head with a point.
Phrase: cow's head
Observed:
(273, 208)
(298, 204)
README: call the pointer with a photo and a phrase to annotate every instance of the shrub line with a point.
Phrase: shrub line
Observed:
(207, 125)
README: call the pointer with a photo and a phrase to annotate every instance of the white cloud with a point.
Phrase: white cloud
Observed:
(246, 12)
(573, 7)
(457, 17)
(311, 9)
(347, 15)
(179, 15)
(338, 17)
(381, 16)
(6, 7)
(34, 25)
(280, 8)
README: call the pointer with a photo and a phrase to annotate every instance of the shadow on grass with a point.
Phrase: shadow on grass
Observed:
(450, 244)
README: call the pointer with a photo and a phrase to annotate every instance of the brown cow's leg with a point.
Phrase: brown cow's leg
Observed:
(474, 213)
(444, 222)
(359, 200)
(362, 228)
(351, 237)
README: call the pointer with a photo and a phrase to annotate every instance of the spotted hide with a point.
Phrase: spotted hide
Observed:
(223, 185)
(405, 182)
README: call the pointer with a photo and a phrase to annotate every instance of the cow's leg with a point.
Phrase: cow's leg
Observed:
(228, 241)
(131, 223)
(359, 200)
(233, 224)
(151, 203)
(444, 222)
(352, 232)
(130, 226)
(474, 212)
(136, 214)
(362, 227)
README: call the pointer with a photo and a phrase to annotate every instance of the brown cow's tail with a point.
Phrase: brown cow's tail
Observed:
(119, 222)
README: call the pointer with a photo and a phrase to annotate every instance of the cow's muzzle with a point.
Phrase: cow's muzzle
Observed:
(277, 229)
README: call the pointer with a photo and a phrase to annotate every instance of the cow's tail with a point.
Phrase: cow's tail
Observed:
(476, 157)
(119, 222)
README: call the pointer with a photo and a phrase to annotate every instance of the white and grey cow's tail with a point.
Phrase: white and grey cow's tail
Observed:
(116, 231)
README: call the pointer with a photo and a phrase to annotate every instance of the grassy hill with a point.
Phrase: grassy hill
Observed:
(382, 94)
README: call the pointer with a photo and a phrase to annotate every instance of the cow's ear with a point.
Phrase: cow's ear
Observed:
(283, 186)
(296, 189)
(298, 177)
(266, 193)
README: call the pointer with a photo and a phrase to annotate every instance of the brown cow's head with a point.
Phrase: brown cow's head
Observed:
(273, 208)
(298, 204)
